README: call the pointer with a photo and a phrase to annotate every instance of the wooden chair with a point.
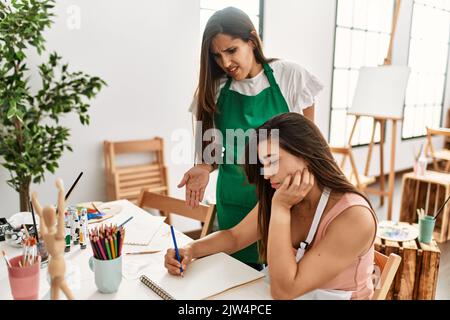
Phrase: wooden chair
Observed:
(126, 182)
(358, 180)
(447, 125)
(441, 154)
(387, 269)
(167, 205)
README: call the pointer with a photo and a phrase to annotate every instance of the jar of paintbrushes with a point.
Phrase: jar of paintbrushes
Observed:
(23, 271)
(427, 223)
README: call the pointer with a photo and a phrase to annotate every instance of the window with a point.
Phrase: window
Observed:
(363, 29)
(254, 9)
(428, 55)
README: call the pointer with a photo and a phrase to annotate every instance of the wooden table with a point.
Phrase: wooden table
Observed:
(428, 192)
(130, 288)
(417, 274)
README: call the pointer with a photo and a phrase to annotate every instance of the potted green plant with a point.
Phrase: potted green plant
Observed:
(31, 138)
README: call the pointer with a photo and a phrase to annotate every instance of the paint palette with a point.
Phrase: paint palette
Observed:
(394, 231)
(107, 211)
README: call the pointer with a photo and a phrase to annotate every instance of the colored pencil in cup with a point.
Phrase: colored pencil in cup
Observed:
(111, 243)
(106, 242)
(102, 249)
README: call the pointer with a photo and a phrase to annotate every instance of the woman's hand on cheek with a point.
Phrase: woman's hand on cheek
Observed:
(293, 189)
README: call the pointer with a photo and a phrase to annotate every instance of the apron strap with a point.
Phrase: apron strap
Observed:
(227, 84)
(269, 74)
(315, 224)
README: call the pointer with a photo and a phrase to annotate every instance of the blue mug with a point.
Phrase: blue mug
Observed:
(108, 274)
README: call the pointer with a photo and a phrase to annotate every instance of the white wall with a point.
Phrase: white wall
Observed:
(147, 51)
(303, 32)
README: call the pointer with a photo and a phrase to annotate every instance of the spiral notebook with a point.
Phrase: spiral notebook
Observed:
(204, 278)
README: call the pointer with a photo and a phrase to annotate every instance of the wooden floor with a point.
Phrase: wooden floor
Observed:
(443, 285)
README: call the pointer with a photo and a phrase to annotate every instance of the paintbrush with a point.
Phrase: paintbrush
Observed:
(73, 186)
(123, 223)
(34, 222)
(26, 230)
(96, 209)
(420, 213)
(440, 209)
(6, 258)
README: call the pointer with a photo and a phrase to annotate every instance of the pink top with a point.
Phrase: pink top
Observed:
(358, 276)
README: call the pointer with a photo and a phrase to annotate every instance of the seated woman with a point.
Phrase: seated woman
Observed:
(314, 229)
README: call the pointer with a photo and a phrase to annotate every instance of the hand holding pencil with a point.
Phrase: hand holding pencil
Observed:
(171, 262)
(176, 260)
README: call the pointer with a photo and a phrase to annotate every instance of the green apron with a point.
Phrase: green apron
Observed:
(235, 198)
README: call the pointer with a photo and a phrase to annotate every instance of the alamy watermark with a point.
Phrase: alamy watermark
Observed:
(212, 147)
(74, 17)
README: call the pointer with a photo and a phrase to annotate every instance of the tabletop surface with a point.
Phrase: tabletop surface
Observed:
(81, 279)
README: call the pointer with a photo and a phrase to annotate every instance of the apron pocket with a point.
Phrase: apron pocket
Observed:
(234, 189)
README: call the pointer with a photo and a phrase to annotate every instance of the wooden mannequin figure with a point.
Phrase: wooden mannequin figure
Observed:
(52, 231)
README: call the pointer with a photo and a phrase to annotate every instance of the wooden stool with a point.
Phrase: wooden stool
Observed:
(417, 274)
(428, 192)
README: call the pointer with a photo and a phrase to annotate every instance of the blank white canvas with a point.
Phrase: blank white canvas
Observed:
(381, 91)
(205, 277)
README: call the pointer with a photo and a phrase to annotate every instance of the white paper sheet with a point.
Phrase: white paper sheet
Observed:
(141, 229)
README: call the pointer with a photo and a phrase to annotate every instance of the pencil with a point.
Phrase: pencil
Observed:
(176, 249)
(111, 242)
(107, 248)
(122, 239)
(97, 249)
(119, 239)
(99, 244)
(144, 252)
(115, 244)
(94, 249)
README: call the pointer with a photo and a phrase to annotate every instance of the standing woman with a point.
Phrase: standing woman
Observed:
(239, 88)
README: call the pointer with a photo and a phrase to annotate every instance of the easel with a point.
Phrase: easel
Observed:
(382, 120)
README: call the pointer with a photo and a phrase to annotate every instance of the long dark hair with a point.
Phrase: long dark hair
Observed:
(237, 24)
(300, 137)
